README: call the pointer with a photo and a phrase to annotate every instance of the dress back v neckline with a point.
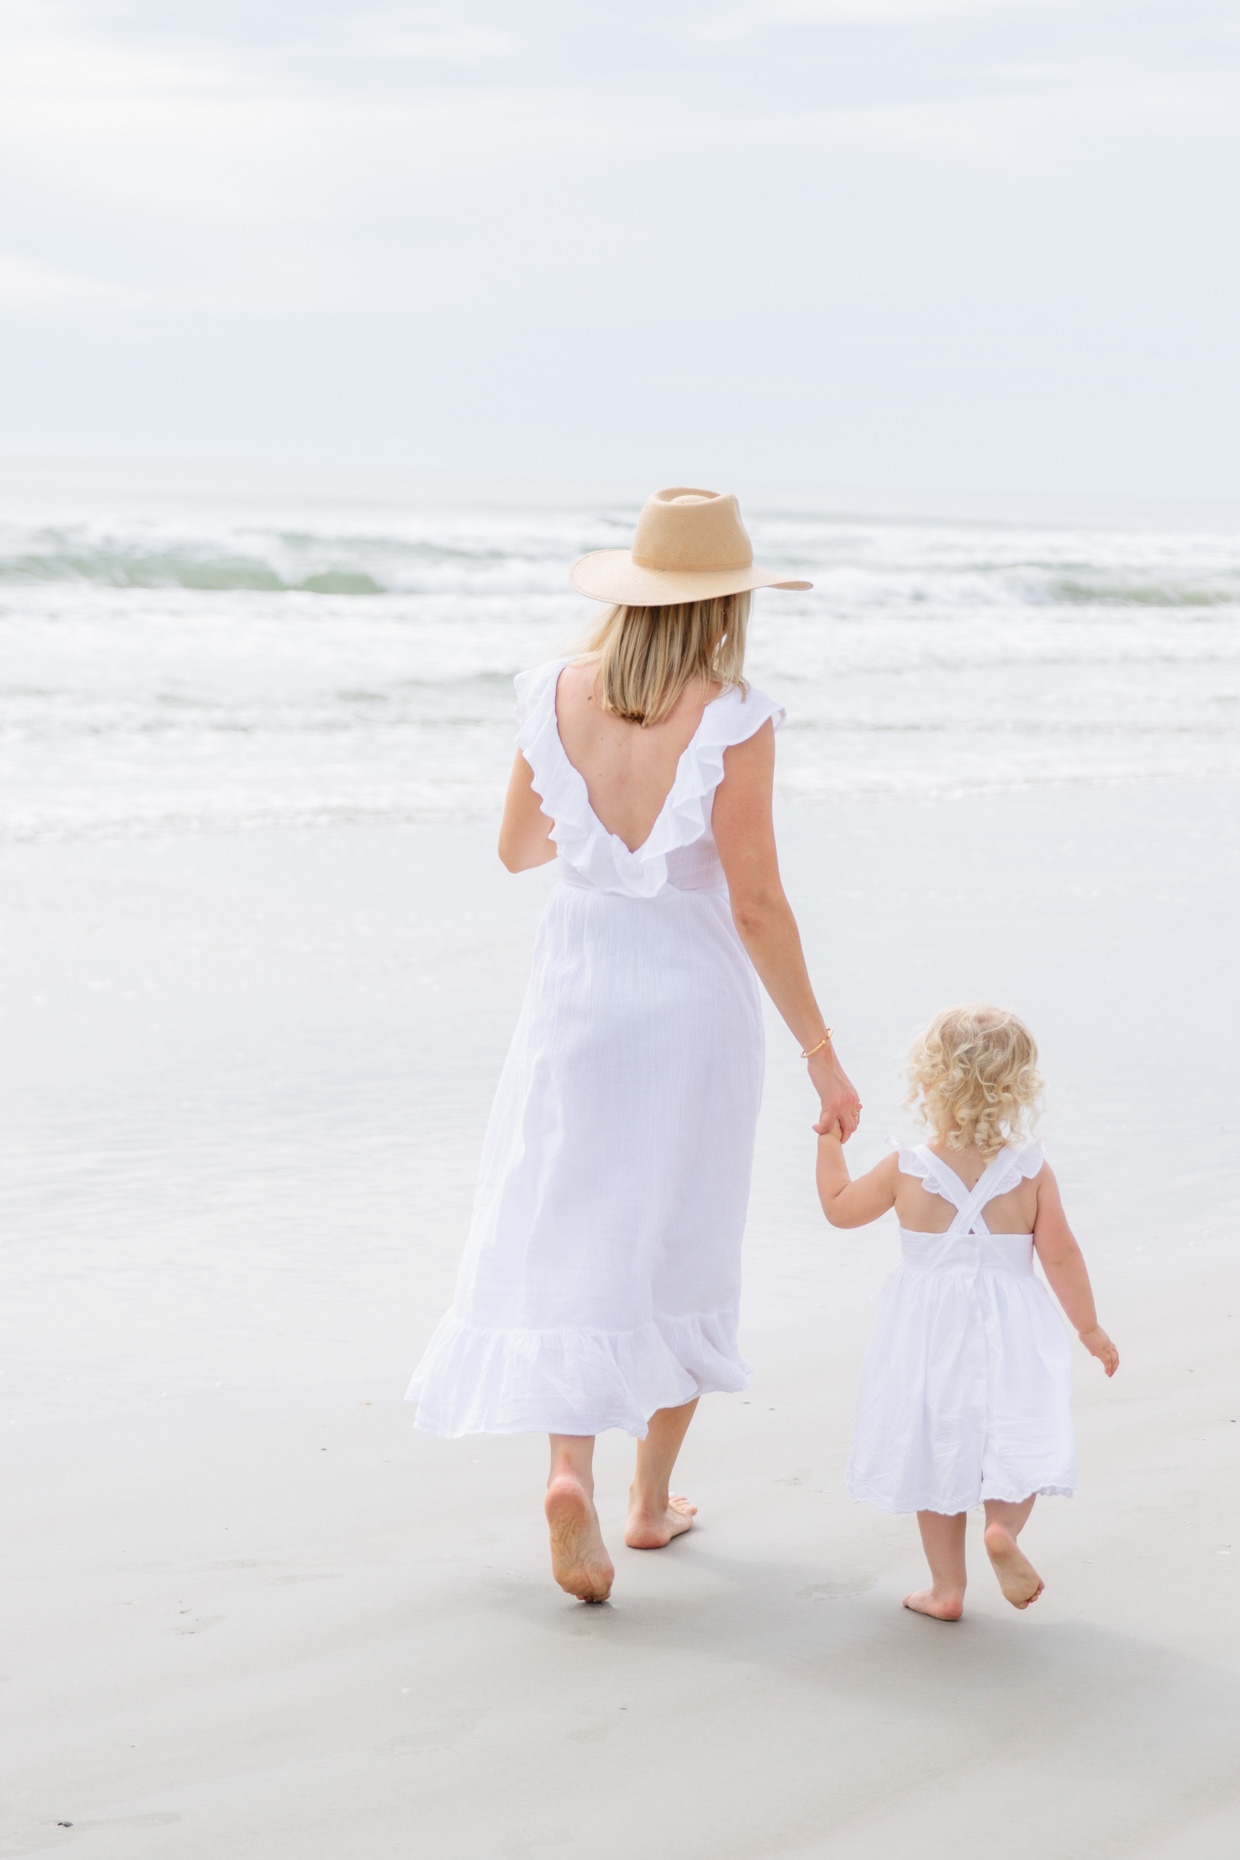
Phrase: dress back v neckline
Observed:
(595, 857)
(634, 852)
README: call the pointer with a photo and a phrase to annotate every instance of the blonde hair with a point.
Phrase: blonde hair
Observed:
(647, 655)
(973, 1074)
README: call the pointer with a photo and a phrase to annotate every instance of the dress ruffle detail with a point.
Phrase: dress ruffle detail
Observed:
(1022, 1164)
(571, 1381)
(909, 1162)
(581, 839)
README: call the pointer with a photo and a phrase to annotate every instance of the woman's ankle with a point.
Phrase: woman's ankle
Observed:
(565, 1469)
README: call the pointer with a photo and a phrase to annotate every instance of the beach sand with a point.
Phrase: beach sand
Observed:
(252, 1613)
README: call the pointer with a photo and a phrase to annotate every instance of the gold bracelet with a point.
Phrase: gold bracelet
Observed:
(817, 1049)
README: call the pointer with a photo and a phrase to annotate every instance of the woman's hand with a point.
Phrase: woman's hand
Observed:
(839, 1100)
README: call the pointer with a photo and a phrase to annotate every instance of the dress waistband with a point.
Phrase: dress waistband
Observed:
(1009, 1253)
(570, 876)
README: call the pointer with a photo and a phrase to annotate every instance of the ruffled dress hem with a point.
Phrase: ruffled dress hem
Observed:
(483, 1381)
(863, 1493)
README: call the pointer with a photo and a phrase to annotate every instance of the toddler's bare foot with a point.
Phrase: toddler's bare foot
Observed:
(650, 1530)
(947, 1605)
(579, 1559)
(1018, 1579)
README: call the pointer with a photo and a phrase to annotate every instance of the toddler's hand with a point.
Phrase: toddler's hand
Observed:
(832, 1129)
(1099, 1344)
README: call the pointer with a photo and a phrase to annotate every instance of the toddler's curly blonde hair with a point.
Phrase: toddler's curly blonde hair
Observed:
(973, 1074)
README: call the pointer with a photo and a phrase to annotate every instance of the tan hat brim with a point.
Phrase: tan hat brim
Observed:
(613, 575)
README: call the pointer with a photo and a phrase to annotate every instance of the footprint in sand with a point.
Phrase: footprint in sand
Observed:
(199, 1625)
(834, 1591)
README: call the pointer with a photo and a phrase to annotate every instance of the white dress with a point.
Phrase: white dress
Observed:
(601, 1278)
(966, 1390)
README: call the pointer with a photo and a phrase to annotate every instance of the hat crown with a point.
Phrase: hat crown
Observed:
(684, 528)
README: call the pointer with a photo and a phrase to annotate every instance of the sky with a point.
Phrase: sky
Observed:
(893, 249)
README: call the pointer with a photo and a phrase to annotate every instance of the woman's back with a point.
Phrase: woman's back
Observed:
(628, 768)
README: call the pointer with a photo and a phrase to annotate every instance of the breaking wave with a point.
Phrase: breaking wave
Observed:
(263, 563)
(1070, 591)
(247, 558)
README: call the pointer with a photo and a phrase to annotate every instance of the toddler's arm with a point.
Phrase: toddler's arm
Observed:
(1064, 1265)
(852, 1204)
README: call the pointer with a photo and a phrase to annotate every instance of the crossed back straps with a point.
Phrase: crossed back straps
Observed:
(942, 1180)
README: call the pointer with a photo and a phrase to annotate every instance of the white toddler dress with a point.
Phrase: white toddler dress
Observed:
(601, 1278)
(966, 1390)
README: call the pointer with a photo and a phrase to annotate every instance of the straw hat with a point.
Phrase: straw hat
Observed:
(688, 546)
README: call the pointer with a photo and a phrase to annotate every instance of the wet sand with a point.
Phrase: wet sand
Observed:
(251, 1612)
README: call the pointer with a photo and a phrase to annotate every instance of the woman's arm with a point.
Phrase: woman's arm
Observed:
(525, 831)
(853, 1204)
(1064, 1266)
(745, 836)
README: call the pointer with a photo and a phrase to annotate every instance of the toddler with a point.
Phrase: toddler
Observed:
(966, 1391)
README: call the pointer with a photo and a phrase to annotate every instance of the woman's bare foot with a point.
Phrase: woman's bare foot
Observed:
(947, 1606)
(649, 1529)
(579, 1559)
(1018, 1579)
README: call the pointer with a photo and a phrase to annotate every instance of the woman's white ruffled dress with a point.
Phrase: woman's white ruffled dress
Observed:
(966, 1392)
(601, 1278)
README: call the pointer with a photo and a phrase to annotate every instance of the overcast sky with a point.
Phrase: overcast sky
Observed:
(894, 246)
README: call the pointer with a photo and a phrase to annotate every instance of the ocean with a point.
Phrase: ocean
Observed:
(229, 668)
(261, 965)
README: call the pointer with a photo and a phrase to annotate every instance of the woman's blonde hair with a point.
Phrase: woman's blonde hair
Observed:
(647, 655)
(974, 1076)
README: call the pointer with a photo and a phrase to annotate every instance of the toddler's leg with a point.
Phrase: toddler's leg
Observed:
(1018, 1579)
(942, 1539)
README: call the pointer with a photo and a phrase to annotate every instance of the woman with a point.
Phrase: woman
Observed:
(601, 1280)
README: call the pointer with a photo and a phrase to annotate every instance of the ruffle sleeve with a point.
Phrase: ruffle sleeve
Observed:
(1022, 1165)
(910, 1161)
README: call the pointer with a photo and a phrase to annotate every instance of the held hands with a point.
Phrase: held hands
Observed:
(1099, 1344)
(840, 1104)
